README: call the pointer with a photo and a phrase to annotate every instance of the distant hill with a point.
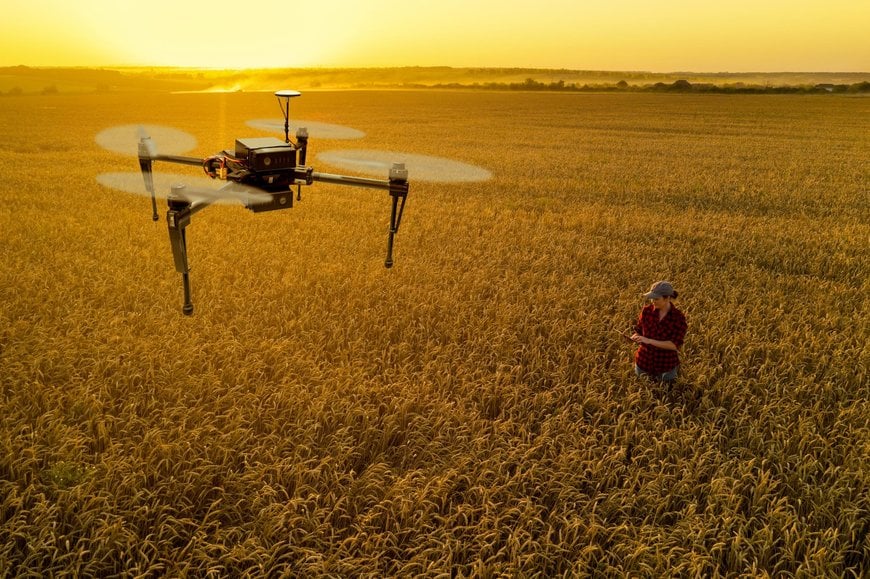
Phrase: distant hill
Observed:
(21, 80)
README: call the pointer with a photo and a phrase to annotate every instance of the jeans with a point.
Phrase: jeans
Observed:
(668, 376)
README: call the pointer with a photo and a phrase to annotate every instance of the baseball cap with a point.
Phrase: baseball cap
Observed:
(660, 289)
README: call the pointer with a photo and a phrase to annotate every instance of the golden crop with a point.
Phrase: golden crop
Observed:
(470, 412)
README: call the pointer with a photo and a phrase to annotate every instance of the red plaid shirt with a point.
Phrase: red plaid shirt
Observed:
(672, 328)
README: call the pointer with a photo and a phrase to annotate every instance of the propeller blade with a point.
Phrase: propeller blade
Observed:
(420, 167)
(197, 188)
(241, 193)
(315, 129)
(124, 139)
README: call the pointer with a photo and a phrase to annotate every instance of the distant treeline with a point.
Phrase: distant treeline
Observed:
(23, 80)
(676, 86)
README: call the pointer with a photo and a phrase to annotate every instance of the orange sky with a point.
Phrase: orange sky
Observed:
(653, 35)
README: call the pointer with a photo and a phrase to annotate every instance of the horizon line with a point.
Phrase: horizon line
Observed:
(399, 67)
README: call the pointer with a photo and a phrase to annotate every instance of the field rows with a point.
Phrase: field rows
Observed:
(470, 412)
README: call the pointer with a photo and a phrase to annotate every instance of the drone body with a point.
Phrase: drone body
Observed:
(260, 173)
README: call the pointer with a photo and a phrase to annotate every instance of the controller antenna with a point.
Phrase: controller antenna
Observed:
(284, 97)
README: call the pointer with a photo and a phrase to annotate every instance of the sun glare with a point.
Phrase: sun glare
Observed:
(623, 35)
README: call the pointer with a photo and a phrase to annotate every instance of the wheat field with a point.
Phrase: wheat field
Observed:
(471, 411)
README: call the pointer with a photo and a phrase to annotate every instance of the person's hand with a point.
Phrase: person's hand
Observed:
(637, 338)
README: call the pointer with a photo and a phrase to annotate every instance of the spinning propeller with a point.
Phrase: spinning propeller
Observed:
(123, 139)
(315, 129)
(425, 167)
(196, 188)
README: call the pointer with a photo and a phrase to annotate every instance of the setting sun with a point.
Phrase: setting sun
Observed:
(744, 35)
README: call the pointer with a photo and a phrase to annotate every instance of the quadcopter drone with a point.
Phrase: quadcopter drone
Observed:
(260, 173)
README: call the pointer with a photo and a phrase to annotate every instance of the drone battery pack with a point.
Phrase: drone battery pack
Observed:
(266, 154)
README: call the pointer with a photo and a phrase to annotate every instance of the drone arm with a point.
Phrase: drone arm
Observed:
(397, 185)
(354, 181)
(179, 160)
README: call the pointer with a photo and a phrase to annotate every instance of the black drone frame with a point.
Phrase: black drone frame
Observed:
(260, 174)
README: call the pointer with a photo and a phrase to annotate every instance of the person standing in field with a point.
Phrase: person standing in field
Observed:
(660, 330)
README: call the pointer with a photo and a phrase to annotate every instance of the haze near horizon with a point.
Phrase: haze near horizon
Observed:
(669, 35)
